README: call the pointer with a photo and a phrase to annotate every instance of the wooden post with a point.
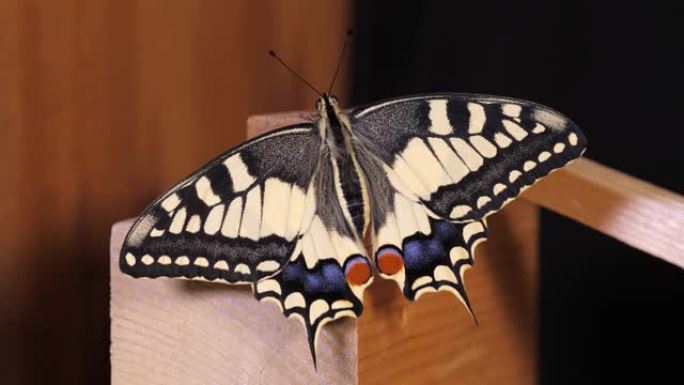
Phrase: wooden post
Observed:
(183, 332)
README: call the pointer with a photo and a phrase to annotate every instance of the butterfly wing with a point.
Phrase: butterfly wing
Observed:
(465, 156)
(257, 215)
(437, 165)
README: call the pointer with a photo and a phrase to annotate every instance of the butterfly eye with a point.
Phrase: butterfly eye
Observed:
(333, 100)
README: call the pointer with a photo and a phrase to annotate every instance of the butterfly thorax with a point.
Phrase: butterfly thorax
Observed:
(349, 180)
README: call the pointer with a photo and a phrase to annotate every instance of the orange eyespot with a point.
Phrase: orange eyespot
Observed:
(357, 271)
(389, 260)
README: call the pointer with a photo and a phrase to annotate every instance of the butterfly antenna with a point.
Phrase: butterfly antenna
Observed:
(339, 61)
(275, 56)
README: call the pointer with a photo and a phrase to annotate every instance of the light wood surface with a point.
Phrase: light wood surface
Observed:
(169, 331)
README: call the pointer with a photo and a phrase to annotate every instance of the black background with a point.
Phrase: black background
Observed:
(608, 312)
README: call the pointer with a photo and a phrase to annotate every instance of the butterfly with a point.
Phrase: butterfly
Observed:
(287, 212)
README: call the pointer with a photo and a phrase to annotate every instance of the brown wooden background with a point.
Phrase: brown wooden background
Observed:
(103, 105)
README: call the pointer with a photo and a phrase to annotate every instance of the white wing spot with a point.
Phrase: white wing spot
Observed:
(164, 260)
(408, 177)
(452, 164)
(515, 130)
(294, 212)
(171, 202)
(205, 192)
(459, 211)
(157, 233)
(438, 117)
(498, 188)
(514, 175)
(481, 201)
(130, 259)
(502, 140)
(538, 129)
(572, 139)
(274, 211)
(424, 280)
(178, 221)
(221, 265)
(182, 261)
(511, 110)
(544, 156)
(444, 273)
(558, 148)
(268, 285)
(294, 300)
(471, 229)
(309, 251)
(477, 118)
(318, 308)
(483, 146)
(251, 215)
(471, 158)
(425, 165)
(147, 259)
(342, 304)
(231, 223)
(268, 266)
(458, 253)
(242, 269)
(213, 223)
(201, 261)
(194, 224)
(529, 165)
(239, 173)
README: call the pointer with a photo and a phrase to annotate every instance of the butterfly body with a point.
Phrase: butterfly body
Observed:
(287, 211)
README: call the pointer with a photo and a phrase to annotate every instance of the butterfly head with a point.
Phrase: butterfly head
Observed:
(327, 106)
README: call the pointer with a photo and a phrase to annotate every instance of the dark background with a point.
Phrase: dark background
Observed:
(608, 312)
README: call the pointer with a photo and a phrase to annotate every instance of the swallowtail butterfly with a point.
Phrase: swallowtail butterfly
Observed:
(286, 212)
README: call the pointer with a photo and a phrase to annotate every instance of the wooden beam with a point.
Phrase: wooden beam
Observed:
(635, 212)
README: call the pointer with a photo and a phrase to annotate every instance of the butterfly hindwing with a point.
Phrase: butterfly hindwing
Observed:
(465, 156)
(329, 270)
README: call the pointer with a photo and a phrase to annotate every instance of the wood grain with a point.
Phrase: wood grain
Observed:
(170, 331)
(635, 212)
(103, 105)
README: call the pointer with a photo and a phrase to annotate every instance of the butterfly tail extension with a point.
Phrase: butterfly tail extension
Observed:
(434, 258)
(315, 295)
